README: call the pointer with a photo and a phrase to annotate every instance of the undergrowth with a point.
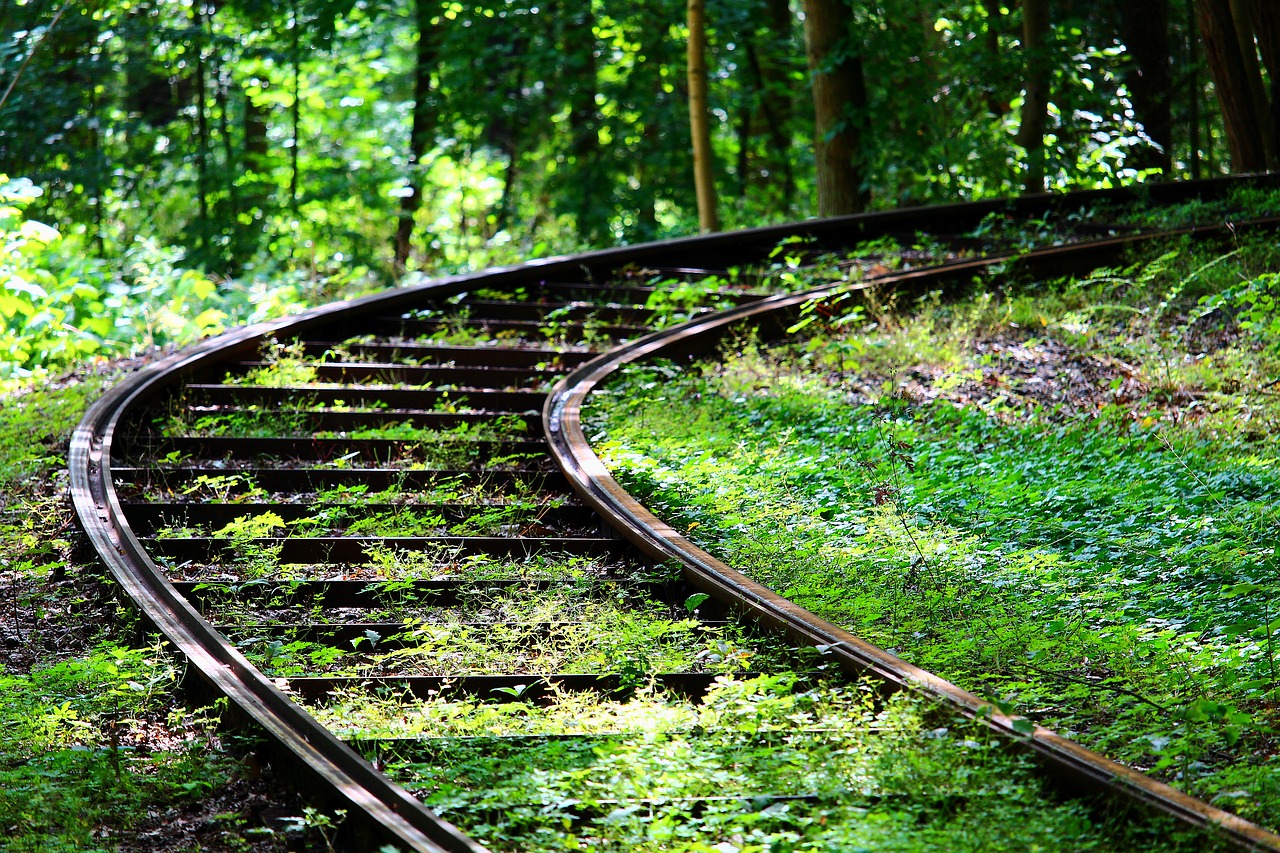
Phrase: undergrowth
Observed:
(1059, 495)
(760, 764)
(95, 755)
(60, 306)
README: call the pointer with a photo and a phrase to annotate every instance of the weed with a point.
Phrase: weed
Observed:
(251, 421)
(1102, 557)
(286, 365)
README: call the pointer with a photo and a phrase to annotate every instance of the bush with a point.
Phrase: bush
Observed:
(60, 305)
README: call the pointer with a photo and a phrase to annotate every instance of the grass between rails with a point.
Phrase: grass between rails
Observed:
(100, 782)
(1061, 496)
(95, 755)
(584, 629)
(761, 764)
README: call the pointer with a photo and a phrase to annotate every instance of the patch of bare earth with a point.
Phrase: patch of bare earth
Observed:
(1011, 376)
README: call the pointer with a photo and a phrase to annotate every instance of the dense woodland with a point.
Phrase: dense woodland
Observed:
(325, 135)
(169, 169)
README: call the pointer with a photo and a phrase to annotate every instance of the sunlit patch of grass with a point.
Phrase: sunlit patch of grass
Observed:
(1104, 559)
(760, 764)
(36, 419)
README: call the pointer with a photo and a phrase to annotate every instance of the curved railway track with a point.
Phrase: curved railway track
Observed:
(304, 506)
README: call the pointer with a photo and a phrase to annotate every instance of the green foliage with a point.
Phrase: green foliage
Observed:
(1253, 305)
(67, 765)
(270, 140)
(60, 307)
(762, 764)
(1102, 554)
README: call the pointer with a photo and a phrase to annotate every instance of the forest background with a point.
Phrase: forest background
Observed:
(170, 168)
(177, 167)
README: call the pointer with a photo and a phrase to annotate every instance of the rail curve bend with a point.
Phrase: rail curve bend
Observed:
(520, 328)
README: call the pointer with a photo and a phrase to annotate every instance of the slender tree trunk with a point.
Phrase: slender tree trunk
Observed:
(101, 175)
(1236, 93)
(509, 175)
(1242, 14)
(202, 126)
(510, 147)
(254, 153)
(1265, 17)
(1144, 28)
(746, 109)
(776, 112)
(699, 118)
(244, 242)
(1035, 104)
(996, 96)
(1194, 93)
(991, 32)
(775, 98)
(421, 132)
(295, 108)
(591, 212)
(839, 105)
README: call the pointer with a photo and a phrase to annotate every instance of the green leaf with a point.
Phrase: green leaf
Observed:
(694, 601)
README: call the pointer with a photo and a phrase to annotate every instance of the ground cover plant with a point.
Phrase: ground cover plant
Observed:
(122, 689)
(527, 631)
(96, 754)
(1060, 495)
(777, 764)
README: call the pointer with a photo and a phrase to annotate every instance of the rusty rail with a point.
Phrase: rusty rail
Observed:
(119, 531)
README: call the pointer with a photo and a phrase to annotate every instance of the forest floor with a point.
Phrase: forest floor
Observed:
(98, 749)
(1061, 496)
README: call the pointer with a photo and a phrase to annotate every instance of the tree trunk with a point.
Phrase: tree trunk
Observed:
(699, 118)
(295, 107)
(1265, 17)
(1194, 95)
(746, 109)
(591, 213)
(775, 96)
(839, 105)
(202, 128)
(254, 128)
(991, 31)
(254, 161)
(1035, 104)
(1242, 15)
(996, 98)
(1144, 28)
(421, 133)
(244, 237)
(1244, 124)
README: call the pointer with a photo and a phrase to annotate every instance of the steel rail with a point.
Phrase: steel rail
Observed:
(562, 417)
(387, 810)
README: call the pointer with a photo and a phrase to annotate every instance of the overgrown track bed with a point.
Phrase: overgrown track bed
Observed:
(372, 529)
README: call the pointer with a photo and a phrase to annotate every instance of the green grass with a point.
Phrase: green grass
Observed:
(1105, 564)
(94, 749)
(72, 774)
(804, 767)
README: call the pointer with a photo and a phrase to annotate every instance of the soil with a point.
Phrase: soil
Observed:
(1011, 373)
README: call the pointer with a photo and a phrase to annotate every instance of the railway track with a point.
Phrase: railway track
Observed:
(378, 529)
